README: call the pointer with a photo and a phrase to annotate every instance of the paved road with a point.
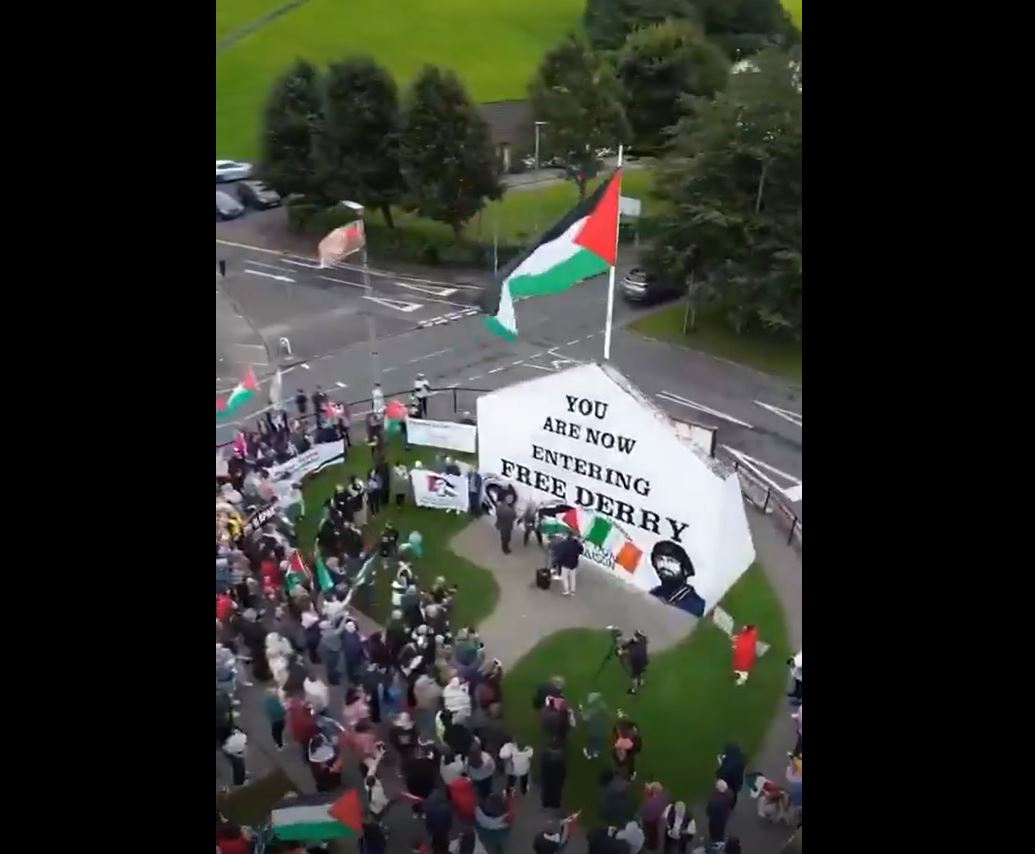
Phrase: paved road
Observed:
(433, 328)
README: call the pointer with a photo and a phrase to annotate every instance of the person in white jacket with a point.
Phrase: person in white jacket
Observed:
(517, 761)
(457, 699)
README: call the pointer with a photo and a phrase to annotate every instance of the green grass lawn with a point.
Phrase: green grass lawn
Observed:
(516, 214)
(478, 592)
(793, 8)
(494, 47)
(688, 710)
(713, 335)
(231, 14)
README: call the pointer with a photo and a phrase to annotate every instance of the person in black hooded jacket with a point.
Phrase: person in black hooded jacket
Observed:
(438, 819)
(731, 769)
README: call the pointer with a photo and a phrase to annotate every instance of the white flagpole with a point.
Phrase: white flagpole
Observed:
(611, 277)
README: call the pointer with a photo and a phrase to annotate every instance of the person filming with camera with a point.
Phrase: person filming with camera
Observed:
(633, 655)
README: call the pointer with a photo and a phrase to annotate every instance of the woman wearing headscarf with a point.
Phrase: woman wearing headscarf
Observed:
(654, 802)
(679, 827)
(731, 769)
(554, 771)
(358, 504)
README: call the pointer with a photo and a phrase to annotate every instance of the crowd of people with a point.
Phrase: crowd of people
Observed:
(423, 699)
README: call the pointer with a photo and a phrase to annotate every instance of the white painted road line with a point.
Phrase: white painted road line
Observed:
(539, 367)
(246, 246)
(573, 341)
(340, 384)
(386, 370)
(306, 366)
(682, 401)
(262, 264)
(438, 352)
(396, 304)
(342, 282)
(785, 414)
(475, 377)
(270, 275)
(431, 290)
(497, 370)
(756, 465)
(307, 264)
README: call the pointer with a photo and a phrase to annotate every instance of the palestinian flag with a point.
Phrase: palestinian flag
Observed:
(243, 392)
(315, 818)
(323, 574)
(297, 572)
(583, 244)
(609, 537)
(559, 519)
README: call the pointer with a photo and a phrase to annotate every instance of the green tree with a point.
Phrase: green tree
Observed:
(733, 188)
(449, 163)
(290, 123)
(660, 64)
(608, 22)
(744, 27)
(577, 93)
(358, 151)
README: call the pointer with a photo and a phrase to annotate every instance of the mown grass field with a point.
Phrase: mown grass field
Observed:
(494, 47)
(793, 8)
(231, 14)
(689, 709)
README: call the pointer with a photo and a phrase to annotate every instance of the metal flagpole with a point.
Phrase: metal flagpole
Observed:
(611, 274)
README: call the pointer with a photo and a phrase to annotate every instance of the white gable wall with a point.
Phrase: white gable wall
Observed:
(625, 463)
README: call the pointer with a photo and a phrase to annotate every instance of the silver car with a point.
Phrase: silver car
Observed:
(634, 285)
(227, 207)
(232, 170)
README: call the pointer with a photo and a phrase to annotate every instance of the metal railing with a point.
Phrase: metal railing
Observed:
(763, 496)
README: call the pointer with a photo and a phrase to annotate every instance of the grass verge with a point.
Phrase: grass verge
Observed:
(688, 710)
(493, 47)
(478, 591)
(712, 335)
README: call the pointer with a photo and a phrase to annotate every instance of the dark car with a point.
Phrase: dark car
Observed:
(227, 207)
(638, 286)
(255, 194)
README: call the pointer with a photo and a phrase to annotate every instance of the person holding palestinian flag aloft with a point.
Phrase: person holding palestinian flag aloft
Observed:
(745, 646)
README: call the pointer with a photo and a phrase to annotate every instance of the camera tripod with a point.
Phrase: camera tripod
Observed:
(613, 652)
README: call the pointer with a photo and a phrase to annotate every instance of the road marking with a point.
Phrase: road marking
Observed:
(573, 341)
(256, 346)
(396, 304)
(438, 352)
(682, 401)
(306, 264)
(270, 275)
(428, 289)
(246, 246)
(497, 370)
(756, 466)
(343, 282)
(518, 362)
(415, 359)
(536, 355)
(386, 370)
(540, 367)
(262, 264)
(454, 385)
(340, 384)
(475, 377)
(785, 414)
(306, 365)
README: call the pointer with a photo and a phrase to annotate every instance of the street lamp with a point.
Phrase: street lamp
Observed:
(537, 126)
(375, 366)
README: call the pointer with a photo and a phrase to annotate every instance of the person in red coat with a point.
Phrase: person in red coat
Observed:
(744, 652)
(463, 797)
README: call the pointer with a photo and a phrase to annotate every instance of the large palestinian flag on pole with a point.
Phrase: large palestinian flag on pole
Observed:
(315, 818)
(581, 245)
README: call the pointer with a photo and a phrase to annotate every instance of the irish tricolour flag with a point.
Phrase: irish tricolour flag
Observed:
(604, 534)
(581, 245)
(315, 818)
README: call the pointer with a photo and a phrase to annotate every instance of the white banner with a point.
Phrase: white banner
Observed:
(441, 491)
(318, 456)
(441, 434)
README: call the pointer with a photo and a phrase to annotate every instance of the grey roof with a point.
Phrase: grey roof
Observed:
(510, 121)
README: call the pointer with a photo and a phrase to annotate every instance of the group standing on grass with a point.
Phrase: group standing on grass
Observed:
(425, 698)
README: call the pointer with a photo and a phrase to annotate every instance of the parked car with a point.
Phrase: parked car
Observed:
(232, 170)
(227, 207)
(637, 286)
(255, 194)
